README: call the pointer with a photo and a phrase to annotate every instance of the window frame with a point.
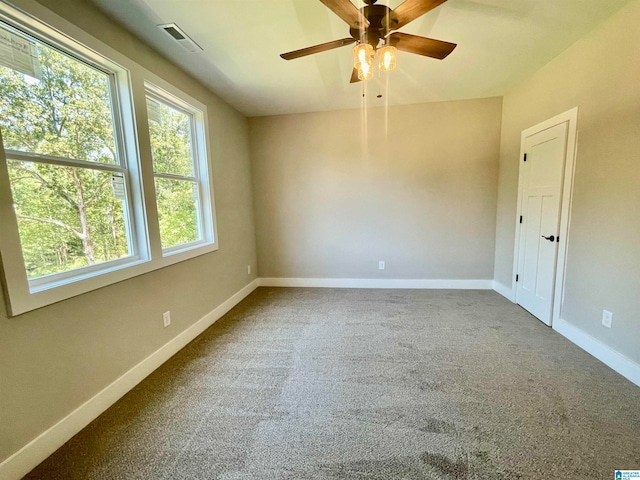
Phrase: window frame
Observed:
(201, 171)
(121, 165)
(129, 81)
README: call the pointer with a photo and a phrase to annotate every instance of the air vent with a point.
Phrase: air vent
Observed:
(174, 33)
(179, 36)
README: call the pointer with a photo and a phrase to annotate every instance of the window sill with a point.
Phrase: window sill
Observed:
(22, 298)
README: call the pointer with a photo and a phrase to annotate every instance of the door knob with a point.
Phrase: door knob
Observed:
(551, 238)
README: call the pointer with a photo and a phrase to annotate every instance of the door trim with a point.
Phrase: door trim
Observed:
(570, 117)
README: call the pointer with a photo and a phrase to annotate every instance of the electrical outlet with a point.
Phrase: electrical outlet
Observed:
(607, 317)
(166, 319)
(248, 269)
(381, 265)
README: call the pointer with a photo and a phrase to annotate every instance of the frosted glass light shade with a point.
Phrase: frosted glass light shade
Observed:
(362, 55)
(387, 58)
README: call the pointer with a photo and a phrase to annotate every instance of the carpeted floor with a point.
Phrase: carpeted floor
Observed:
(367, 384)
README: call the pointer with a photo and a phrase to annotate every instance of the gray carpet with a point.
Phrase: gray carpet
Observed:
(367, 384)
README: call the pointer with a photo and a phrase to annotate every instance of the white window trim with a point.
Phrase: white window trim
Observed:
(130, 79)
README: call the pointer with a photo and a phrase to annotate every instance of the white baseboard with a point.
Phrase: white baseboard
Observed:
(377, 283)
(29, 456)
(607, 355)
(506, 292)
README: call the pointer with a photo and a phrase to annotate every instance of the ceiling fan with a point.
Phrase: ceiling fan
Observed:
(373, 28)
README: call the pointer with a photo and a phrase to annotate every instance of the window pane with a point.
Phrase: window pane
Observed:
(68, 217)
(178, 211)
(65, 113)
(170, 132)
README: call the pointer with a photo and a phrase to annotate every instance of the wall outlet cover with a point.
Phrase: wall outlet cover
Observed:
(607, 317)
(166, 319)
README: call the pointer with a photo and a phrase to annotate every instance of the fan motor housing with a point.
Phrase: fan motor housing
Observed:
(375, 14)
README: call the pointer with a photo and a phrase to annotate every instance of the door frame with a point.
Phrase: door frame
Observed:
(571, 118)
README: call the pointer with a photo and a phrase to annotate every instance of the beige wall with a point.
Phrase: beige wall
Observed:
(601, 75)
(422, 198)
(55, 358)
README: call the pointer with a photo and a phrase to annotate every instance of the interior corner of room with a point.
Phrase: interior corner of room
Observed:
(315, 199)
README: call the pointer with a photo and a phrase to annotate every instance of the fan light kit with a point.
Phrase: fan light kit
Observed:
(363, 54)
(374, 29)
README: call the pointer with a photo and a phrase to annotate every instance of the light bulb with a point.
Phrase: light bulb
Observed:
(366, 71)
(387, 58)
(362, 55)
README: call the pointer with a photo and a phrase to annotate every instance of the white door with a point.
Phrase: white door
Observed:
(543, 168)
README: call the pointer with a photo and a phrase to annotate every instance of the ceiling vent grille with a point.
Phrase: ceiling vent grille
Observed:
(179, 36)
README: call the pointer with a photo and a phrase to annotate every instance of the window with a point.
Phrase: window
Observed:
(62, 139)
(71, 176)
(181, 180)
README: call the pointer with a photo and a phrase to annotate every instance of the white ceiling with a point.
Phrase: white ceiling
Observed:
(500, 43)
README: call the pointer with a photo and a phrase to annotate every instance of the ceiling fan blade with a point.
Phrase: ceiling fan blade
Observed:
(323, 47)
(354, 76)
(348, 12)
(421, 45)
(408, 11)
